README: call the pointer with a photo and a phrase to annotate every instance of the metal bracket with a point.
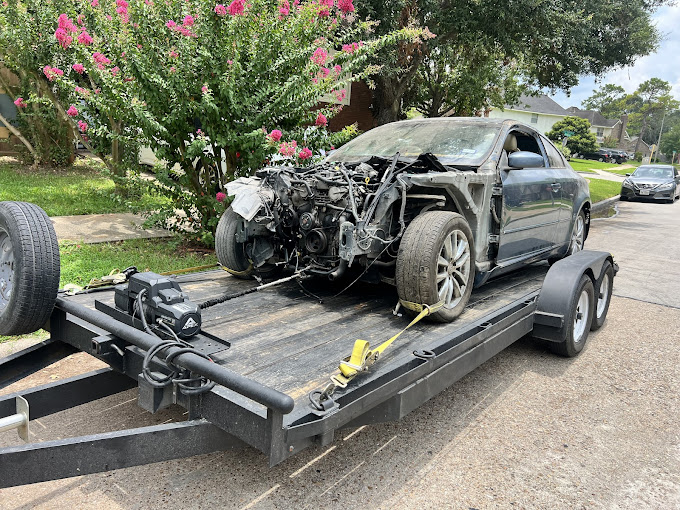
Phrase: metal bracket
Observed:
(17, 421)
(494, 239)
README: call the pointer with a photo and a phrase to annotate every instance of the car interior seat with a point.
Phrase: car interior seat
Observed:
(510, 144)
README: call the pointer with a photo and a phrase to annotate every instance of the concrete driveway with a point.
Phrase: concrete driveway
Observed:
(525, 430)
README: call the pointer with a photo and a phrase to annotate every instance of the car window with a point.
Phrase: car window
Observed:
(529, 143)
(555, 159)
(654, 172)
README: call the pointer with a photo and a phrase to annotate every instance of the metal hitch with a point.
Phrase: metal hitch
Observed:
(17, 421)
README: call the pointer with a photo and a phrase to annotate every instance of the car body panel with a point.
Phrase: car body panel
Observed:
(650, 182)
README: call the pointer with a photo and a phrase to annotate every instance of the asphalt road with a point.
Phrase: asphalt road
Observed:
(525, 430)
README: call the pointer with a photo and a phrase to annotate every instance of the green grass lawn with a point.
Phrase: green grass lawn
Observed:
(601, 189)
(82, 262)
(81, 189)
(583, 165)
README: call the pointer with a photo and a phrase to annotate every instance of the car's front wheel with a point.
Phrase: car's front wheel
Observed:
(435, 263)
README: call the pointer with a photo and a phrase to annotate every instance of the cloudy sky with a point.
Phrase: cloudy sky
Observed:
(664, 64)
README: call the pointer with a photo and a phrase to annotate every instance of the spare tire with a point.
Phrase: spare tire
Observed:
(29, 268)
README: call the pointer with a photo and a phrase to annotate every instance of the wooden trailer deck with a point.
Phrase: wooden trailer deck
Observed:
(287, 340)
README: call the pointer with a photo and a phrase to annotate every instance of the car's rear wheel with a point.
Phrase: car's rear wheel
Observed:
(435, 263)
(578, 234)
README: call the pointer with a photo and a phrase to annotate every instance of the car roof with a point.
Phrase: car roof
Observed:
(670, 167)
(493, 122)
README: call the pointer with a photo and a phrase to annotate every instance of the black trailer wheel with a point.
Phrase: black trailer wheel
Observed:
(232, 254)
(29, 268)
(436, 263)
(577, 320)
(603, 288)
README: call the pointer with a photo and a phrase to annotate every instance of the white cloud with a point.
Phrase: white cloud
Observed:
(661, 64)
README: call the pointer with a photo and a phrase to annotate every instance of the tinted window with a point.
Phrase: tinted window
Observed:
(555, 158)
(652, 171)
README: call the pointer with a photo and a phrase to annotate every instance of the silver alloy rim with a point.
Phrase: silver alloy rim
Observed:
(6, 269)
(577, 235)
(604, 296)
(453, 268)
(581, 316)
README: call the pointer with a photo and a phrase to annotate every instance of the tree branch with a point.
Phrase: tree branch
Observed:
(23, 140)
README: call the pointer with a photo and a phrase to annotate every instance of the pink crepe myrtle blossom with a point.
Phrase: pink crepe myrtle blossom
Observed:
(148, 2)
(237, 8)
(20, 103)
(72, 112)
(115, 70)
(351, 48)
(288, 148)
(340, 95)
(346, 6)
(171, 24)
(220, 10)
(337, 70)
(220, 197)
(325, 7)
(284, 8)
(173, 54)
(85, 38)
(94, 3)
(275, 135)
(321, 120)
(51, 72)
(305, 153)
(205, 89)
(188, 20)
(82, 125)
(82, 91)
(319, 57)
(66, 23)
(100, 58)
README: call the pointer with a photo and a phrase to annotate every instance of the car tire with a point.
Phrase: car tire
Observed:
(578, 234)
(601, 160)
(603, 296)
(623, 199)
(232, 254)
(29, 268)
(436, 261)
(577, 321)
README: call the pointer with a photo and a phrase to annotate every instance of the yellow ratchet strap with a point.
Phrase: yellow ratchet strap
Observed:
(245, 272)
(363, 357)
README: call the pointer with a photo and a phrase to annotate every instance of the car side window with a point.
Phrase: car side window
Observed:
(528, 143)
(555, 158)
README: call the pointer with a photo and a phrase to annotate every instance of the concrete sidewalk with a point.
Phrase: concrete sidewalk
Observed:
(103, 228)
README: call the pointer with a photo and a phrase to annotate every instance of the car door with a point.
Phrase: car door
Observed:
(531, 205)
(566, 179)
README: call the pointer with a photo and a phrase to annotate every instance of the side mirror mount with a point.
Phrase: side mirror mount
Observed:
(627, 175)
(525, 159)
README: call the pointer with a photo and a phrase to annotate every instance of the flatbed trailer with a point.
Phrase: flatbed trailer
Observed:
(270, 351)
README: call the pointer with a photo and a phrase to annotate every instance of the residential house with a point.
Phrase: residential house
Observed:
(540, 111)
(601, 126)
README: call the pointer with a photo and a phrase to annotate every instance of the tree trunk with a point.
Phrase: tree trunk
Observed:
(23, 140)
(386, 101)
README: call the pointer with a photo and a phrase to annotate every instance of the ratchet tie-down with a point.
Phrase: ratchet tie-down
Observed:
(363, 357)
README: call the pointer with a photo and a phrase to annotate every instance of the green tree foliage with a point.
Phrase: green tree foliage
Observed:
(582, 141)
(609, 100)
(215, 90)
(548, 44)
(671, 142)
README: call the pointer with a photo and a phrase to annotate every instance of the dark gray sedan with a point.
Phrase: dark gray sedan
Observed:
(655, 182)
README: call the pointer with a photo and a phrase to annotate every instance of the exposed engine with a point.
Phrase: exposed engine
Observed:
(327, 217)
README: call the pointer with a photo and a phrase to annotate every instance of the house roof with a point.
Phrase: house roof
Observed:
(594, 117)
(538, 104)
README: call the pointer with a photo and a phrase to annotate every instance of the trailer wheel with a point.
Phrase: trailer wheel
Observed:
(603, 288)
(232, 254)
(29, 268)
(435, 262)
(577, 320)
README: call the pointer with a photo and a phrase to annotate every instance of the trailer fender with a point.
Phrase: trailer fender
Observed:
(558, 288)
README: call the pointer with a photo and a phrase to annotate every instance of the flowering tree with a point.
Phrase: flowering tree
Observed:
(214, 89)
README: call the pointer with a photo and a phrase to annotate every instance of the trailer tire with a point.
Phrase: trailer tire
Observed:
(29, 268)
(232, 254)
(603, 290)
(577, 320)
(420, 273)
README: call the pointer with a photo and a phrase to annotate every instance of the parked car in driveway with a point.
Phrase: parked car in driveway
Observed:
(431, 206)
(617, 155)
(654, 182)
(602, 155)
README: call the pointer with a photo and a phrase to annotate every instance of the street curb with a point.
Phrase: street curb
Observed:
(604, 204)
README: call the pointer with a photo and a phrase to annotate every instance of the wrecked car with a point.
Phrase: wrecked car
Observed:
(433, 207)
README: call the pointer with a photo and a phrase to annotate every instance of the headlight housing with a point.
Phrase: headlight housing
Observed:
(664, 187)
(627, 184)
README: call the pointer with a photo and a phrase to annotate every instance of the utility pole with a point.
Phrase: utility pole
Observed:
(658, 143)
